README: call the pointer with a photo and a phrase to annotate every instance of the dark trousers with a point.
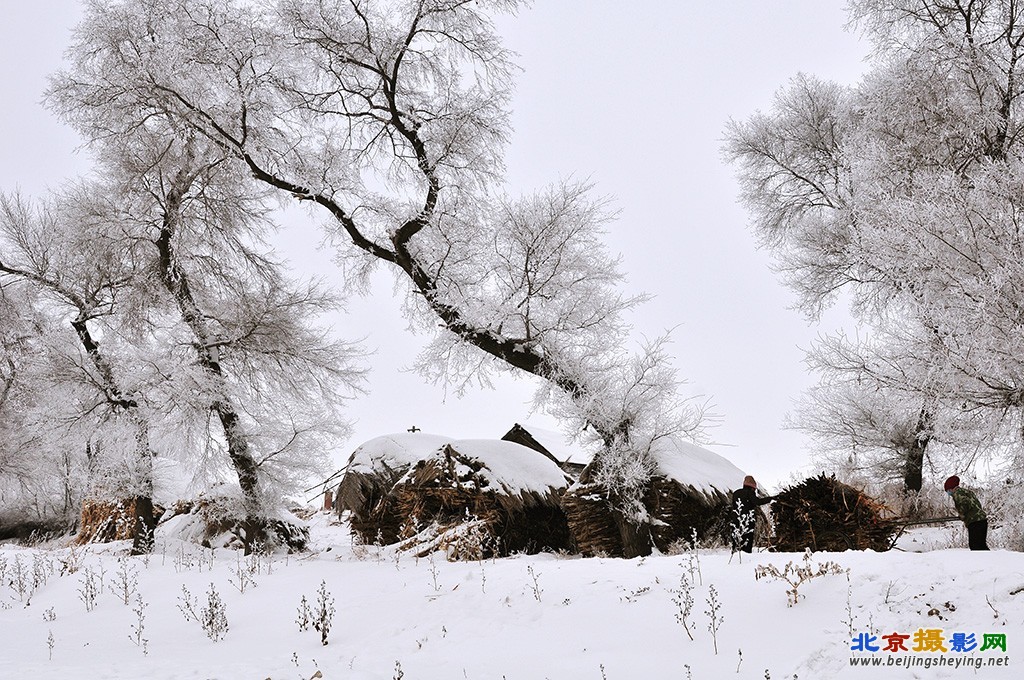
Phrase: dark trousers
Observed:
(976, 532)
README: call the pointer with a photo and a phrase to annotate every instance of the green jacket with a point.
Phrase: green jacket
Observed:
(968, 506)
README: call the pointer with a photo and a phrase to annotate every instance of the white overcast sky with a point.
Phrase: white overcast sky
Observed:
(632, 95)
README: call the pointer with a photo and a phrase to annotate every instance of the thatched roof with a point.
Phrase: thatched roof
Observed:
(690, 491)
(513, 490)
(375, 466)
(516, 475)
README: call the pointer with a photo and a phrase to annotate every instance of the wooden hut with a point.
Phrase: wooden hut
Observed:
(508, 493)
(689, 492)
(374, 468)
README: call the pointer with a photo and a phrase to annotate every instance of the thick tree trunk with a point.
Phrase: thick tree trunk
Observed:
(176, 282)
(913, 467)
(636, 537)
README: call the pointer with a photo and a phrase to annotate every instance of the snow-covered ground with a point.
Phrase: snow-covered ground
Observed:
(527, 617)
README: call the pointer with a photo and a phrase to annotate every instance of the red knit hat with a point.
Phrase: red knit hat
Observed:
(951, 483)
(749, 481)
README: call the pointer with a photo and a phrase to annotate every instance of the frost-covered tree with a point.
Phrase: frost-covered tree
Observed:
(391, 118)
(167, 265)
(27, 338)
(905, 192)
(273, 381)
(79, 267)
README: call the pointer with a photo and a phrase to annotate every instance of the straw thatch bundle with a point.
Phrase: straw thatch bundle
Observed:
(822, 513)
(106, 521)
(681, 512)
(502, 488)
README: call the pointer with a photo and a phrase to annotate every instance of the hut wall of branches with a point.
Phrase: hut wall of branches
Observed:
(679, 511)
(822, 513)
(371, 473)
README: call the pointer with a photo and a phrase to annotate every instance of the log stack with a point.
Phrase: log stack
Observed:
(822, 513)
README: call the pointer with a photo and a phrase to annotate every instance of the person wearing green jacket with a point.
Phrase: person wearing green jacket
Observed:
(971, 513)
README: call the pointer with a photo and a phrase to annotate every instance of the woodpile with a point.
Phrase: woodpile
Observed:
(822, 513)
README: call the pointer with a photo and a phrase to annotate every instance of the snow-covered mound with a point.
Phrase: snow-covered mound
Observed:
(394, 451)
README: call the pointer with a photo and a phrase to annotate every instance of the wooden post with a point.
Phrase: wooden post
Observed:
(328, 499)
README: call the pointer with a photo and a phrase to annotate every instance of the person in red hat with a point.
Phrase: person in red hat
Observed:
(744, 506)
(968, 507)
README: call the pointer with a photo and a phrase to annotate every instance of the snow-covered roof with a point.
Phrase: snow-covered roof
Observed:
(562, 447)
(394, 451)
(509, 467)
(694, 466)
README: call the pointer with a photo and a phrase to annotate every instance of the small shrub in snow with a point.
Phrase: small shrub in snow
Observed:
(89, 588)
(140, 626)
(50, 615)
(683, 598)
(71, 561)
(42, 569)
(243, 575)
(187, 605)
(184, 560)
(320, 616)
(742, 526)
(796, 575)
(213, 617)
(305, 616)
(21, 580)
(535, 584)
(323, 612)
(693, 556)
(713, 612)
(433, 573)
(126, 580)
(634, 595)
(51, 643)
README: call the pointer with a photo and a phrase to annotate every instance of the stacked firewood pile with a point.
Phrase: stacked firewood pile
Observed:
(822, 513)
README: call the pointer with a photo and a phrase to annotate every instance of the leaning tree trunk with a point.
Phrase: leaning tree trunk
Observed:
(176, 282)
